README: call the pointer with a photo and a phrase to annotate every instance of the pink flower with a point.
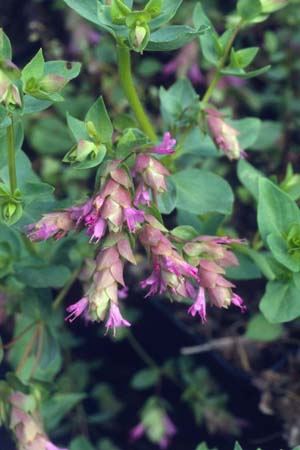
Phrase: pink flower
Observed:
(179, 266)
(77, 309)
(199, 306)
(50, 446)
(170, 430)
(154, 281)
(115, 318)
(142, 196)
(133, 216)
(166, 147)
(239, 302)
(56, 225)
(195, 74)
(96, 230)
(137, 432)
(123, 293)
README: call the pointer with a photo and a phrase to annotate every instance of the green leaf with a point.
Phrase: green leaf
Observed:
(167, 201)
(208, 41)
(277, 212)
(93, 162)
(99, 117)
(168, 10)
(49, 136)
(248, 128)
(201, 192)
(259, 329)
(247, 270)
(249, 177)
(172, 37)
(66, 69)
(54, 409)
(85, 8)
(185, 232)
(280, 302)
(34, 69)
(202, 446)
(33, 105)
(77, 128)
(280, 251)
(241, 73)
(145, 379)
(249, 10)
(179, 103)
(41, 277)
(237, 446)
(5, 46)
(242, 58)
(81, 443)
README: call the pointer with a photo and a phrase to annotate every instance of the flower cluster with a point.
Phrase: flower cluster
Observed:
(155, 424)
(27, 426)
(118, 214)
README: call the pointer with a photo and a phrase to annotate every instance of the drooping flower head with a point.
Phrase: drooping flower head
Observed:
(155, 424)
(224, 135)
(27, 426)
(56, 225)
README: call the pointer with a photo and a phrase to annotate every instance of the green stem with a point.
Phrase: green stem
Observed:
(66, 288)
(124, 67)
(221, 64)
(11, 156)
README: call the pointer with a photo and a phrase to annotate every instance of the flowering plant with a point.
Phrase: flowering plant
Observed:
(155, 208)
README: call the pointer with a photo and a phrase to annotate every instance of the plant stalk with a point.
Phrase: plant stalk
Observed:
(11, 157)
(125, 74)
(221, 64)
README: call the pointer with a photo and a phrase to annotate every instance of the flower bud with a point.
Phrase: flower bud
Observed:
(52, 83)
(139, 37)
(9, 93)
(224, 135)
(81, 151)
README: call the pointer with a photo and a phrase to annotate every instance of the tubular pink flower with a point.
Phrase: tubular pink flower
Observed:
(97, 230)
(195, 74)
(123, 293)
(179, 266)
(77, 309)
(115, 318)
(132, 217)
(166, 147)
(142, 196)
(239, 302)
(137, 432)
(154, 281)
(170, 431)
(199, 306)
(50, 446)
